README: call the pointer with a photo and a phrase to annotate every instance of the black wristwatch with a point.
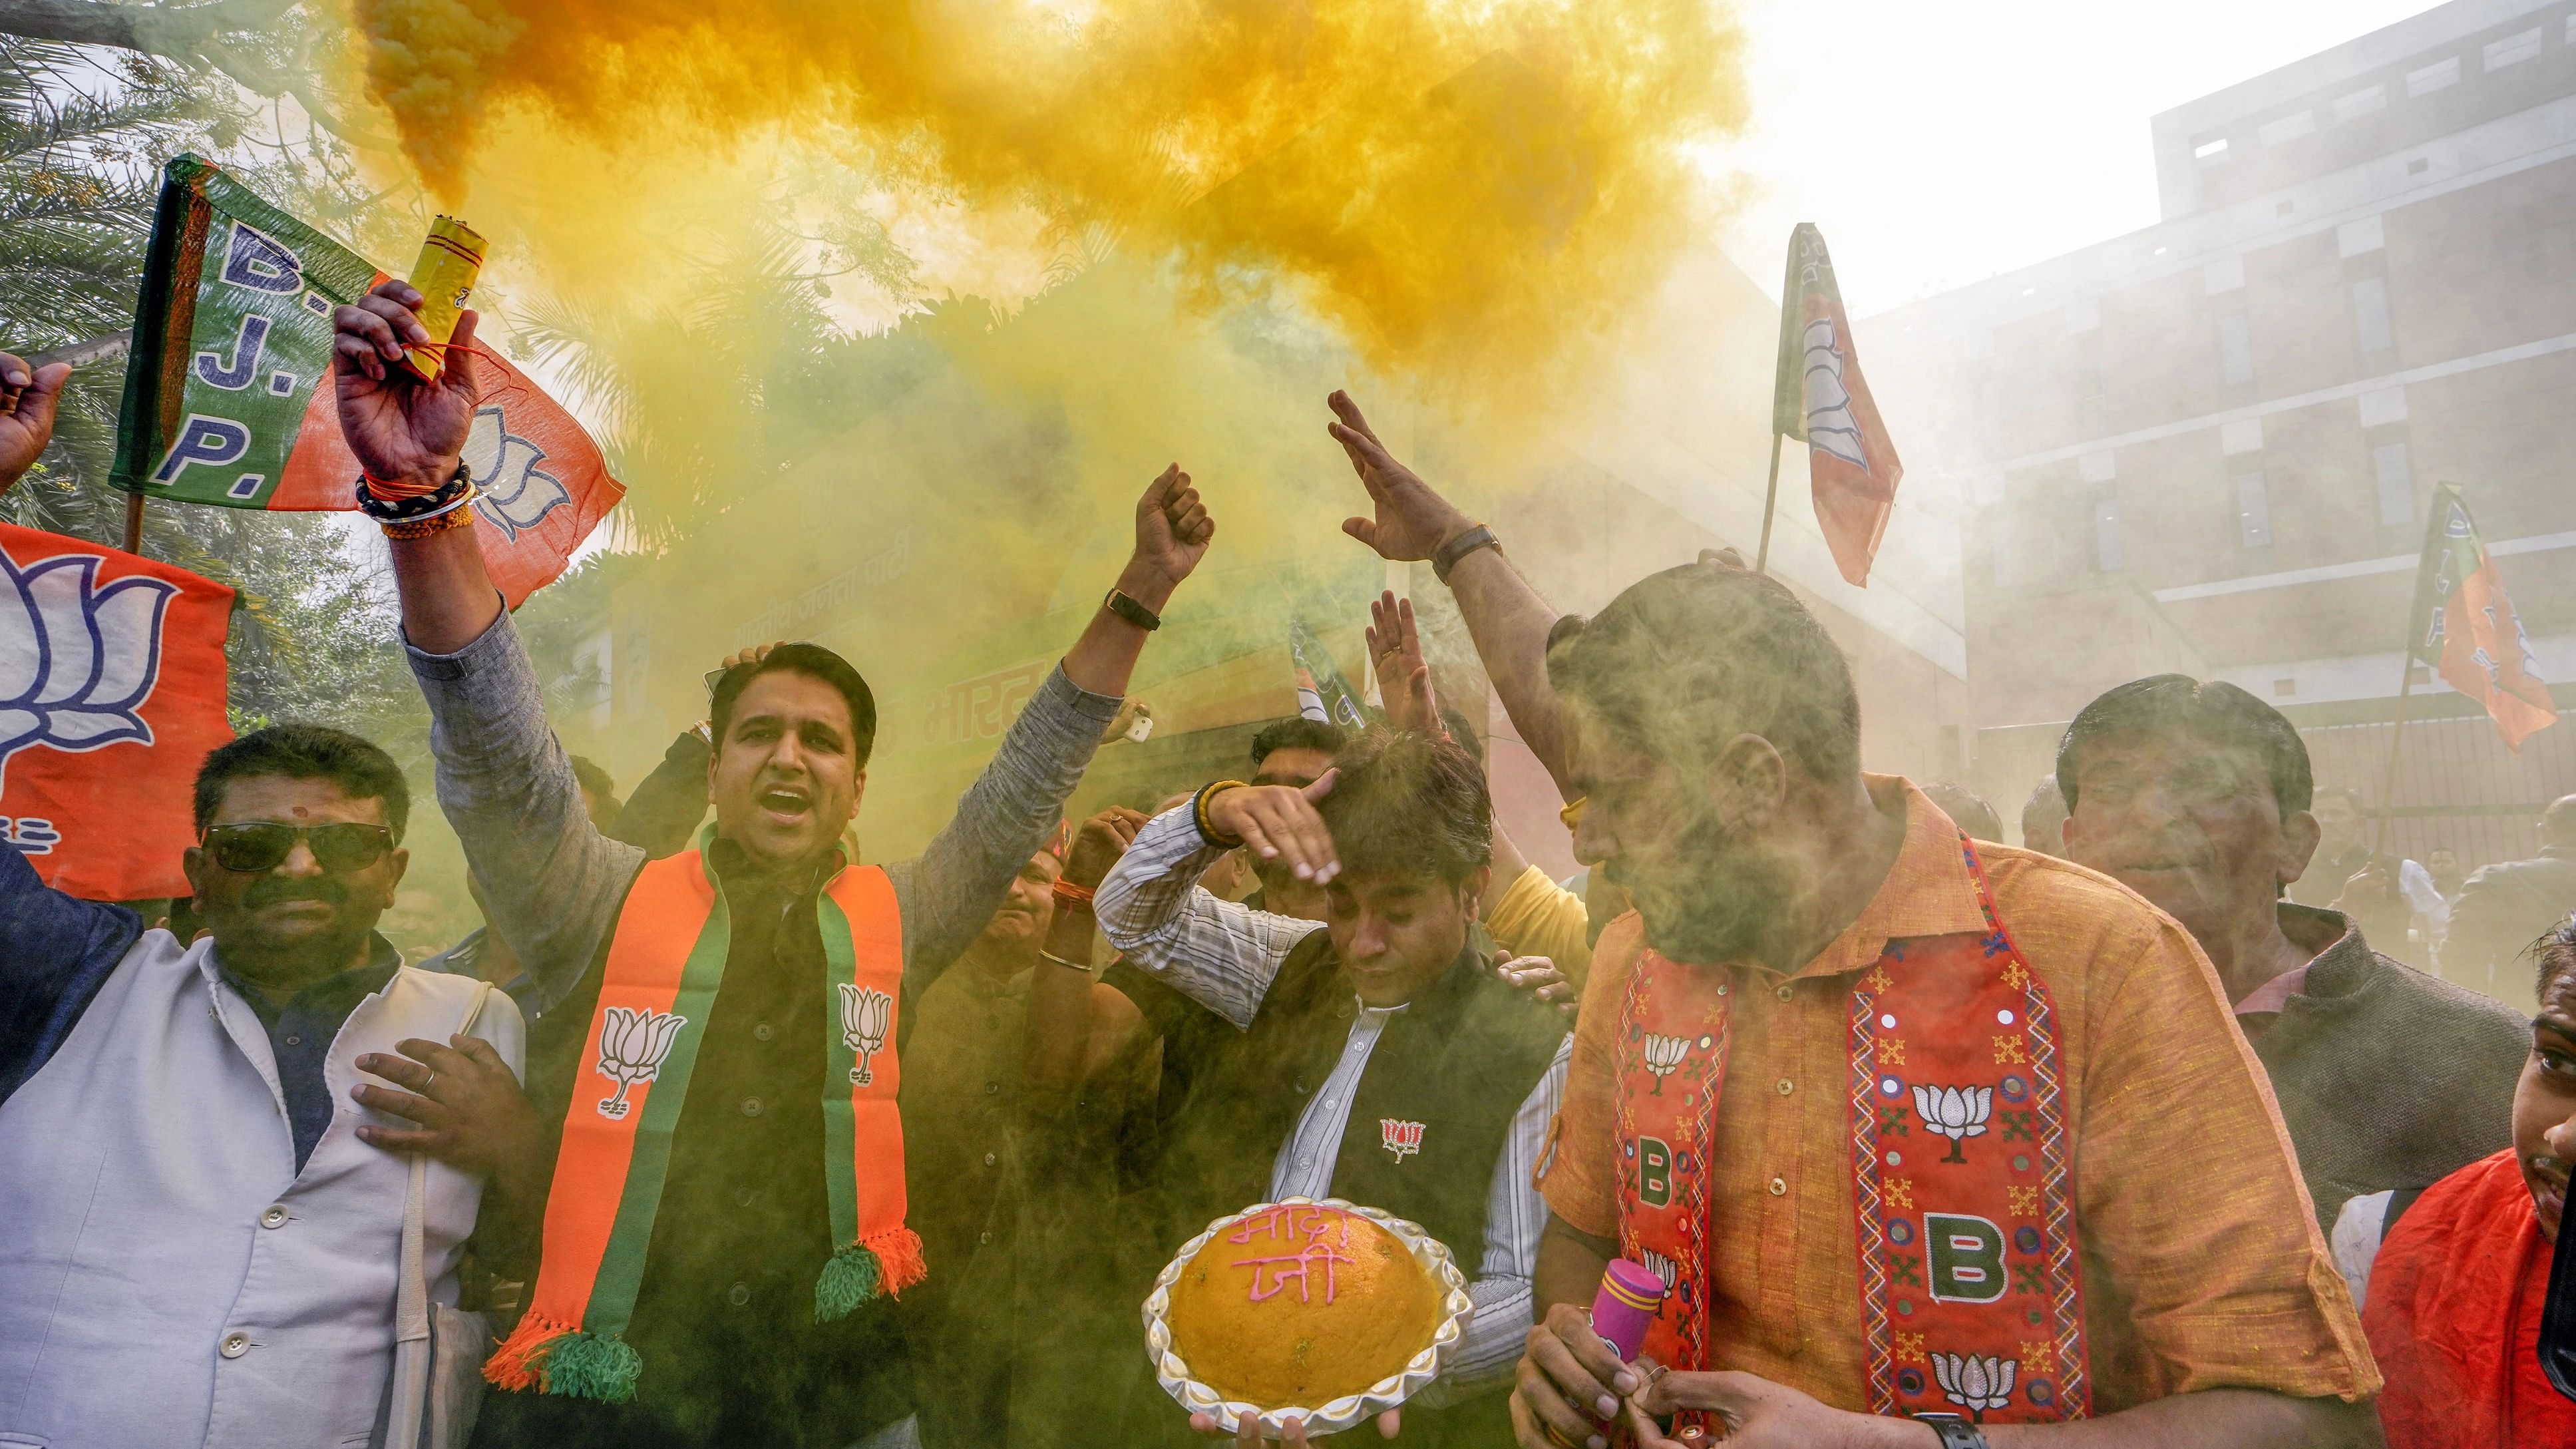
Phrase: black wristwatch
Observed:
(1131, 611)
(1450, 553)
(1958, 1433)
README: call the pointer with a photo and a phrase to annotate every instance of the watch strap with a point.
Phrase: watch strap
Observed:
(1456, 549)
(1958, 1433)
(1131, 611)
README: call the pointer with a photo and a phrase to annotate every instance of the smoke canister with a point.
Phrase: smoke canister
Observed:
(1630, 1296)
(451, 257)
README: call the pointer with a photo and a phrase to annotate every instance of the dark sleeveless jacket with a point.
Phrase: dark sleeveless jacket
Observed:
(1459, 1060)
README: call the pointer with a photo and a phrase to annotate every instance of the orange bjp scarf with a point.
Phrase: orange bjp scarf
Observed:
(665, 964)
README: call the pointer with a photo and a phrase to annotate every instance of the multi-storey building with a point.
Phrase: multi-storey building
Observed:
(2207, 446)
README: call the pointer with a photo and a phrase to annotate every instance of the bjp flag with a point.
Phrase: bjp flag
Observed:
(1820, 398)
(229, 402)
(111, 693)
(2466, 628)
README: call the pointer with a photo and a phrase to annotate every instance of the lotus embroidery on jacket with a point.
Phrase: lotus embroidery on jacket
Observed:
(77, 661)
(632, 1047)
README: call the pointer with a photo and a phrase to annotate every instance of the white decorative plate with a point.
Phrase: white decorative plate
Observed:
(1351, 1410)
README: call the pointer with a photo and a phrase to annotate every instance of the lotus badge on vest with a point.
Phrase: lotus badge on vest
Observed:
(111, 693)
(1402, 1138)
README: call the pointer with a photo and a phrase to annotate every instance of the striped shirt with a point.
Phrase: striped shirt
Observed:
(1225, 956)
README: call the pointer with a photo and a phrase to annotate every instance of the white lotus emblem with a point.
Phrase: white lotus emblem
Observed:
(1957, 1113)
(1975, 1384)
(632, 1047)
(1664, 1057)
(1830, 424)
(865, 1014)
(517, 495)
(77, 661)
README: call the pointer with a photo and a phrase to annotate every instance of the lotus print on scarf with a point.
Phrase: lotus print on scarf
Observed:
(1664, 1057)
(865, 1013)
(77, 661)
(632, 1047)
(1978, 1385)
(1957, 1113)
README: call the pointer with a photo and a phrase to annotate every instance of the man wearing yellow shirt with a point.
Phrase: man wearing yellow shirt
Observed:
(1934, 1143)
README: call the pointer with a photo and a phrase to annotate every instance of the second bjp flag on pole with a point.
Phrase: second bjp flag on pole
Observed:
(1820, 398)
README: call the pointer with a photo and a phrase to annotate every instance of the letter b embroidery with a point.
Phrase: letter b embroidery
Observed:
(1966, 1256)
(1654, 1172)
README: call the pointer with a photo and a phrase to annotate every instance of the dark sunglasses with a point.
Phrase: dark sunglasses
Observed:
(264, 845)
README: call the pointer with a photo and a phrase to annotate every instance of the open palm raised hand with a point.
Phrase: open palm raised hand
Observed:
(403, 430)
(1412, 520)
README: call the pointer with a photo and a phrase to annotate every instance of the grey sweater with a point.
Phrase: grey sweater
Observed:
(2386, 1077)
(554, 883)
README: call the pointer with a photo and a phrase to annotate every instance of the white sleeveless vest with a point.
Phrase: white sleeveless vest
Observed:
(167, 1277)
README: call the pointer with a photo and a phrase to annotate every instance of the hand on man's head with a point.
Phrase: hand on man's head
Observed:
(1280, 824)
(402, 429)
(27, 399)
(1412, 520)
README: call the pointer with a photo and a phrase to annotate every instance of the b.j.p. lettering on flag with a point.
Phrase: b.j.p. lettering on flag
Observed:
(112, 684)
(229, 402)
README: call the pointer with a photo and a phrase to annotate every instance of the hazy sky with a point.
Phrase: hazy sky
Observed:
(1940, 143)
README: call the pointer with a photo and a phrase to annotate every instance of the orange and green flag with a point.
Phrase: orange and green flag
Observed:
(2465, 626)
(228, 394)
(1820, 398)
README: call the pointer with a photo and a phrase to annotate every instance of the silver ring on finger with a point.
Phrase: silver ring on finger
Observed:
(428, 1082)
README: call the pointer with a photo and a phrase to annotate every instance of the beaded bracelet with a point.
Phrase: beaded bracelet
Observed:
(395, 503)
(1199, 813)
(454, 515)
(1071, 894)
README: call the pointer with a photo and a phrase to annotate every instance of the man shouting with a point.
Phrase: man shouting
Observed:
(721, 1030)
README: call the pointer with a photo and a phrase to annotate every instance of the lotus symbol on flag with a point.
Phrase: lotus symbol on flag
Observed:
(1661, 1266)
(517, 495)
(77, 661)
(1663, 1057)
(865, 1013)
(1975, 1384)
(1957, 1113)
(632, 1046)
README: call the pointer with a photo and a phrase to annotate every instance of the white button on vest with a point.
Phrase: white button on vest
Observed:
(236, 1343)
(1779, 1187)
(1787, 1086)
(1783, 992)
(990, 1159)
(273, 1218)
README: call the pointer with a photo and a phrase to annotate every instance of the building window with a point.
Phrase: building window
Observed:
(2253, 512)
(2370, 314)
(2106, 535)
(2433, 77)
(2290, 127)
(2396, 479)
(2361, 103)
(2513, 49)
(2210, 153)
(2235, 350)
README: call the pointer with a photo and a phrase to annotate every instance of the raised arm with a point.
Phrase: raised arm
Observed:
(1506, 616)
(1221, 954)
(951, 891)
(551, 880)
(56, 951)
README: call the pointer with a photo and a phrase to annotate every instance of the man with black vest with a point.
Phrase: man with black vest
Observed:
(1376, 1057)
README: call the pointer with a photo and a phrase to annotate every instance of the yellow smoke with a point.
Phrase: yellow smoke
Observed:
(1450, 182)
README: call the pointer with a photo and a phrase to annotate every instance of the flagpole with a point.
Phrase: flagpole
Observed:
(134, 523)
(1770, 501)
(2388, 780)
